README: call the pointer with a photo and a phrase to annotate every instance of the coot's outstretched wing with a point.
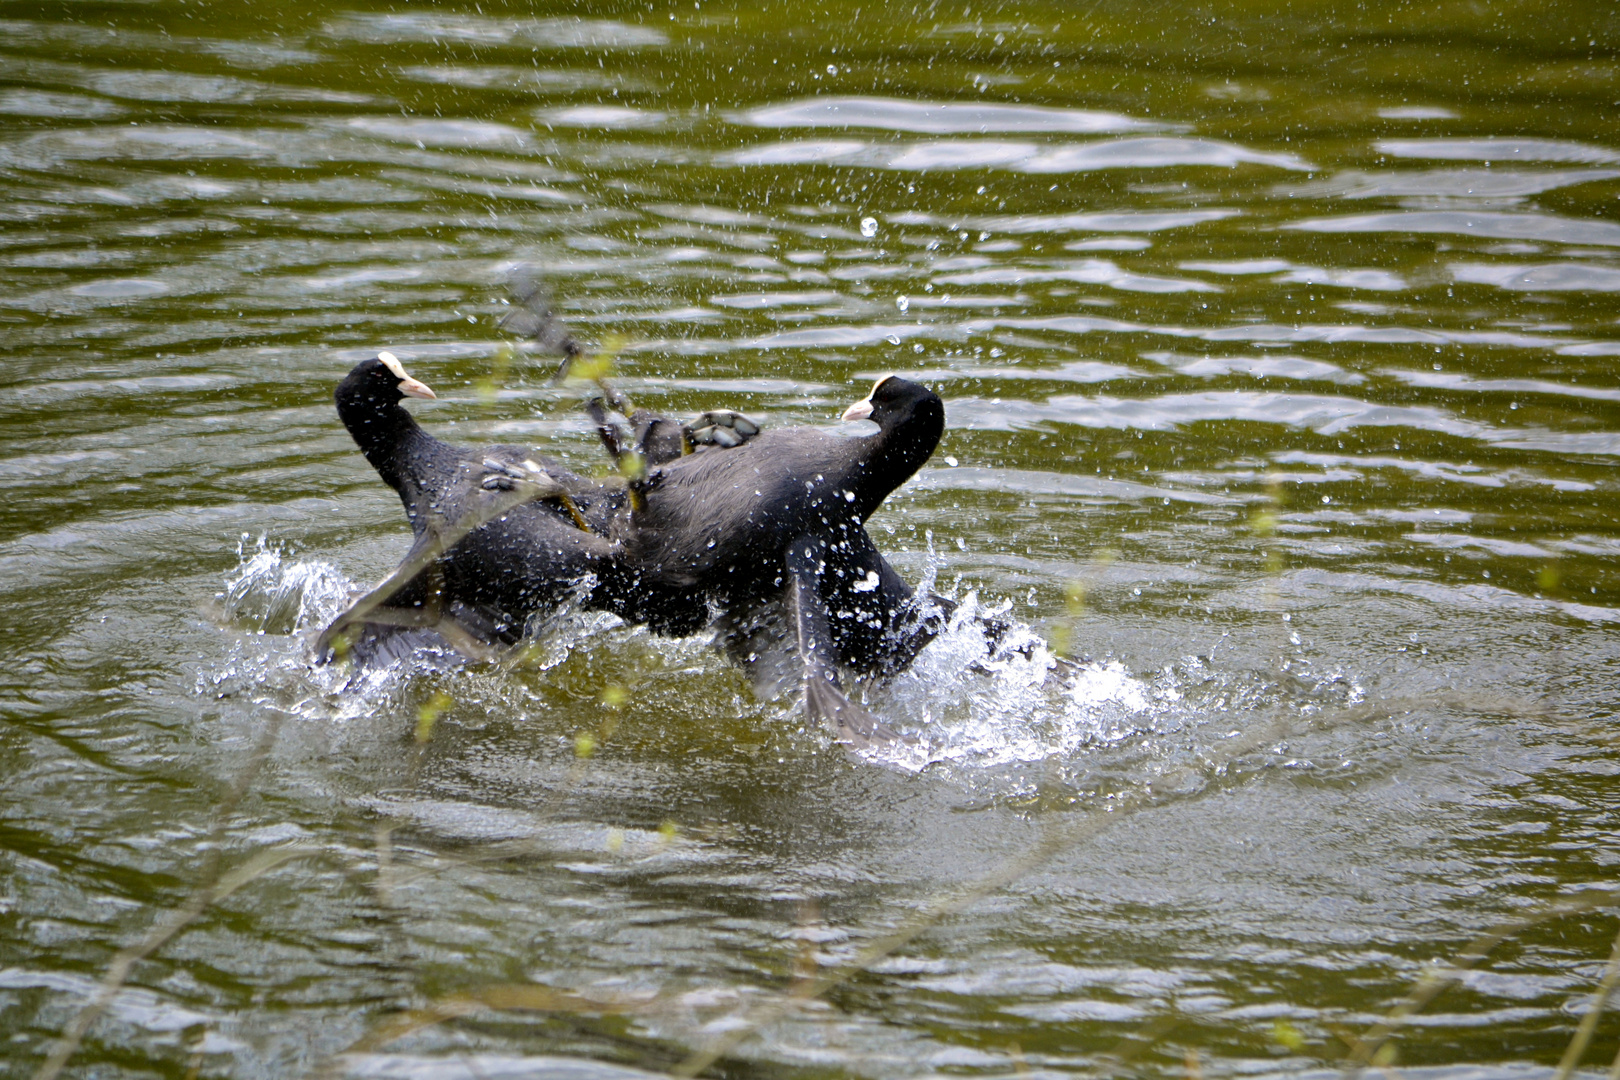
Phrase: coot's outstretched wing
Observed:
(824, 698)
(420, 568)
(656, 440)
(535, 318)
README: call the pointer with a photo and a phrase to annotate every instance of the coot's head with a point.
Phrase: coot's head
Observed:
(895, 401)
(385, 379)
(368, 404)
(910, 420)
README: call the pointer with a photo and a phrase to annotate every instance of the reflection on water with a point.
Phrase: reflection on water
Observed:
(1277, 350)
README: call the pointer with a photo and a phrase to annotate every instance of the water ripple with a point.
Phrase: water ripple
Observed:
(559, 33)
(1026, 157)
(937, 117)
(1547, 227)
(1499, 148)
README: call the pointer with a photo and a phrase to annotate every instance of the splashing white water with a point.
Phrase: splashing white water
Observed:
(986, 696)
(282, 602)
(983, 699)
(274, 596)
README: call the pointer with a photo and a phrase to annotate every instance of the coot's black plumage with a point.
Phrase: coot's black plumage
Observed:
(774, 531)
(770, 533)
(478, 586)
(502, 535)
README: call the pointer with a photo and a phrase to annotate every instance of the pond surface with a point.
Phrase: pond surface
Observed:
(1279, 354)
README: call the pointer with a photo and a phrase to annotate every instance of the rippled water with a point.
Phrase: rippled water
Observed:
(1278, 351)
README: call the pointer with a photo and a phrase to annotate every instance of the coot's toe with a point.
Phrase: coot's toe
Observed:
(721, 427)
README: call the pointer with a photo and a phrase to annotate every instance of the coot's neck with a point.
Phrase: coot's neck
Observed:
(897, 451)
(379, 424)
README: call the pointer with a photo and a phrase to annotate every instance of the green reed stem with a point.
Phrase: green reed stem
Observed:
(214, 887)
(1437, 977)
(1594, 1010)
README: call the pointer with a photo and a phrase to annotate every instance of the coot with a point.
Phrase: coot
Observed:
(502, 534)
(773, 534)
(537, 528)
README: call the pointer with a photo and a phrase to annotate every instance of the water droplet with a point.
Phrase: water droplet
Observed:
(904, 304)
(868, 226)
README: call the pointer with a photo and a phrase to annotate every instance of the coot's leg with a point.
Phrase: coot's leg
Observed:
(824, 698)
(659, 440)
(534, 318)
(612, 437)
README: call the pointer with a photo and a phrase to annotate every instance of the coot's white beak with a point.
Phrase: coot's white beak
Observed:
(862, 410)
(408, 386)
(411, 388)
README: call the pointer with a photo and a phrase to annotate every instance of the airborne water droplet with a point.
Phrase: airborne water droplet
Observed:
(868, 226)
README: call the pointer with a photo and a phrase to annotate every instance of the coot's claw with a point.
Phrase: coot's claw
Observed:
(501, 476)
(721, 427)
(715, 435)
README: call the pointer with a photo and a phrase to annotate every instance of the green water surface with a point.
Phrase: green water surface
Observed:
(1278, 344)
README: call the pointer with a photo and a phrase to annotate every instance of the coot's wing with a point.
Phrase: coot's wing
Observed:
(440, 536)
(535, 318)
(372, 608)
(824, 698)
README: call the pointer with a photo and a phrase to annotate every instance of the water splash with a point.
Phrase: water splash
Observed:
(280, 603)
(273, 596)
(990, 692)
(985, 703)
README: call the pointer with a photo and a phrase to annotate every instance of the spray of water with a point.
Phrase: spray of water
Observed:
(978, 703)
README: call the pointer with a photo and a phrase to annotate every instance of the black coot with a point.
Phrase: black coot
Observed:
(500, 533)
(773, 533)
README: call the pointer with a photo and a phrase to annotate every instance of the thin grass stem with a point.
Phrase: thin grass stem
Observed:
(1594, 1010)
(214, 886)
(159, 935)
(1436, 977)
(936, 911)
